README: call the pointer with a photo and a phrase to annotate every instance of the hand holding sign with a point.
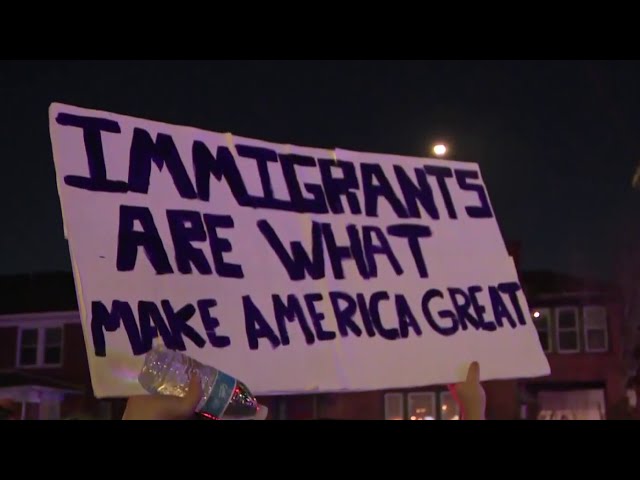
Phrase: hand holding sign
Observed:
(470, 395)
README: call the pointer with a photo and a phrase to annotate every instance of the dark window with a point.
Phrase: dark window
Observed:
(29, 347)
(53, 346)
(40, 347)
(567, 323)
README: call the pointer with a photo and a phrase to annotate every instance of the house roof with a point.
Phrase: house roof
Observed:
(35, 293)
(542, 282)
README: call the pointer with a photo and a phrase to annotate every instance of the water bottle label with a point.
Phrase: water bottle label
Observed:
(221, 394)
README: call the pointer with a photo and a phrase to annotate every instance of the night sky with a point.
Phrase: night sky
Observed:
(557, 141)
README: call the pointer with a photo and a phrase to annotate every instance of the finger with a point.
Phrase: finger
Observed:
(473, 374)
(194, 394)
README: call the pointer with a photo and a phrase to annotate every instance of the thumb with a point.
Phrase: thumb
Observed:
(194, 394)
(473, 374)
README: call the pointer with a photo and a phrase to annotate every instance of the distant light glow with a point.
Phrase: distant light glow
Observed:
(536, 314)
(439, 149)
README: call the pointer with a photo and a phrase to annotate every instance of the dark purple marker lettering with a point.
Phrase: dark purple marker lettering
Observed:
(344, 313)
(406, 318)
(187, 227)
(92, 128)
(316, 204)
(317, 317)
(376, 185)
(256, 326)
(413, 234)
(345, 185)
(474, 211)
(220, 245)
(162, 152)
(129, 240)
(290, 312)
(178, 323)
(376, 319)
(413, 193)
(427, 298)
(211, 324)
(299, 264)
(441, 174)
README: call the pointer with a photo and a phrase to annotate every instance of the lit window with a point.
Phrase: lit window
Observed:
(567, 330)
(542, 321)
(422, 406)
(40, 347)
(448, 407)
(393, 406)
(545, 415)
(595, 329)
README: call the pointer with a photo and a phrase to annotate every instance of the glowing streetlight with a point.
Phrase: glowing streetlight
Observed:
(536, 314)
(439, 150)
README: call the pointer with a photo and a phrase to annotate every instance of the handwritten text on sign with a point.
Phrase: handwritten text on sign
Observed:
(293, 268)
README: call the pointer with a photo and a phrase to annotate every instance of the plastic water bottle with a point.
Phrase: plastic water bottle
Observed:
(168, 372)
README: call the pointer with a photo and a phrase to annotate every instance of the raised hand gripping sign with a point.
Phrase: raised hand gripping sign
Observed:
(295, 269)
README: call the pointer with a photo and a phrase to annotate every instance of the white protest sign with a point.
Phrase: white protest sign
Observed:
(294, 269)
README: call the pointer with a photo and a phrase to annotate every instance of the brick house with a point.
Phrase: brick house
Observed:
(44, 372)
(579, 323)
